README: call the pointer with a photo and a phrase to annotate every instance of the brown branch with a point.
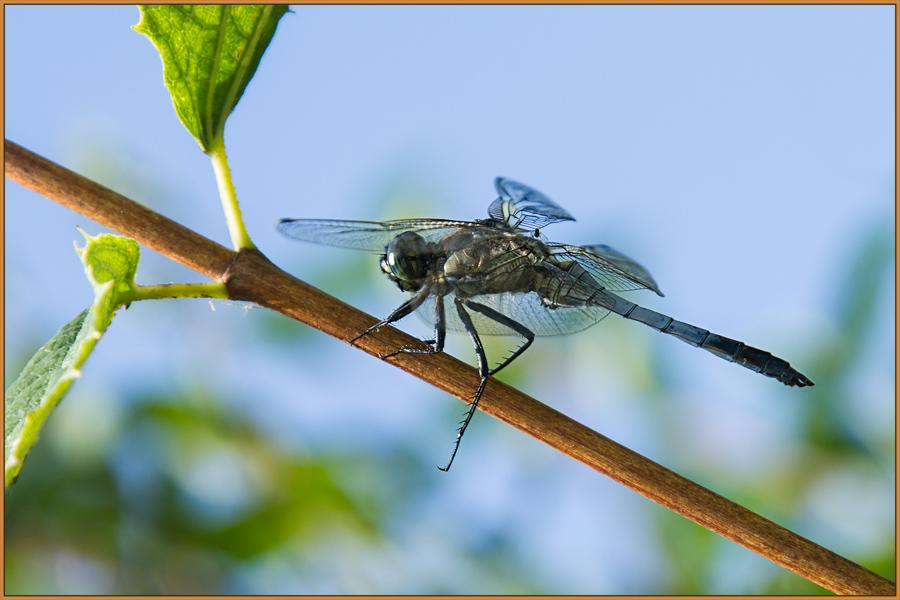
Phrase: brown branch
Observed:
(250, 276)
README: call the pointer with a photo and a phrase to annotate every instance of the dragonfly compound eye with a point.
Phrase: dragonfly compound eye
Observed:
(406, 257)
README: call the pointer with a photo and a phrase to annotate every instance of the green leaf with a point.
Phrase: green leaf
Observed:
(110, 263)
(109, 257)
(209, 54)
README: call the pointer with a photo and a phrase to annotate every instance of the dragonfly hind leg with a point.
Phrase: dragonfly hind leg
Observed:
(507, 322)
(465, 423)
(483, 370)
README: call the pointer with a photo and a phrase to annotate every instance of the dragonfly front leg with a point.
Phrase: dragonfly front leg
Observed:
(440, 332)
(403, 310)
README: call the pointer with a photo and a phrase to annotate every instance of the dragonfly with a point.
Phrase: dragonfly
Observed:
(501, 276)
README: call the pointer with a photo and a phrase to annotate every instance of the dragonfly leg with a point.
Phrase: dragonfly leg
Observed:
(465, 423)
(507, 322)
(482, 370)
(440, 332)
(401, 311)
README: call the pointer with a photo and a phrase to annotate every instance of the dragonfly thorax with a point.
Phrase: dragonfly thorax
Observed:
(406, 260)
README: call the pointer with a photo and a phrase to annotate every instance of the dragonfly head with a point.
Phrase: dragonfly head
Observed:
(406, 261)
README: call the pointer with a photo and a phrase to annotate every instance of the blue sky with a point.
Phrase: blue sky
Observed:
(740, 153)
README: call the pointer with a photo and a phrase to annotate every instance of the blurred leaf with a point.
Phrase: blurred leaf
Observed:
(788, 583)
(297, 496)
(884, 563)
(862, 283)
(826, 425)
(209, 55)
(110, 263)
(307, 497)
(61, 510)
(690, 549)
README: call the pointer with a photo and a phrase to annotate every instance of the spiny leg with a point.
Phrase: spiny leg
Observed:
(440, 332)
(506, 321)
(482, 370)
(401, 311)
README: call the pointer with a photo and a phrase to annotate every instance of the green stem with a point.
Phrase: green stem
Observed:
(239, 237)
(175, 290)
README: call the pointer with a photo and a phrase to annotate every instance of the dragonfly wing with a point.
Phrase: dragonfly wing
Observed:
(526, 309)
(521, 207)
(363, 235)
(612, 269)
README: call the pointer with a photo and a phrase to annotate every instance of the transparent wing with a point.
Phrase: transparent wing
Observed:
(524, 308)
(364, 235)
(521, 207)
(610, 268)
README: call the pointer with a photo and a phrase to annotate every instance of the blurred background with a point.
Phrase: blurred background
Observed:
(743, 154)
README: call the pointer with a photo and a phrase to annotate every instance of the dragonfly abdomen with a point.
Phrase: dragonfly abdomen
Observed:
(725, 348)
